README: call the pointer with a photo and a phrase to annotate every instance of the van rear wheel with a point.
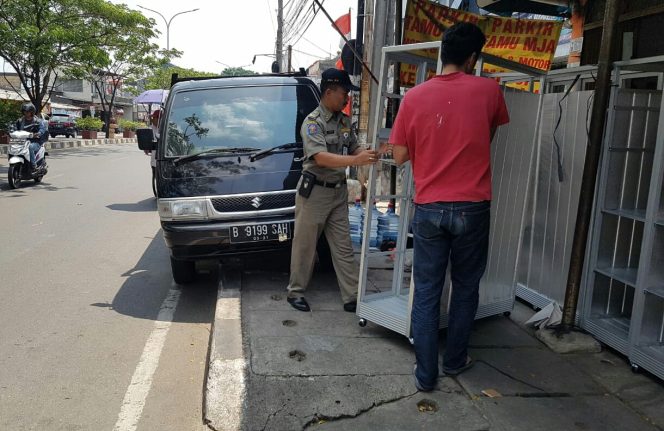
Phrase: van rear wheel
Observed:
(184, 271)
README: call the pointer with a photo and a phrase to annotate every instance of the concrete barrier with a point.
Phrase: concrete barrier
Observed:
(58, 144)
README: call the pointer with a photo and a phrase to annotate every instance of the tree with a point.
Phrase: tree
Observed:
(160, 77)
(130, 57)
(10, 110)
(237, 71)
(44, 39)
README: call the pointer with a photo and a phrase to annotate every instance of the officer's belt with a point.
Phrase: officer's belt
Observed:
(330, 185)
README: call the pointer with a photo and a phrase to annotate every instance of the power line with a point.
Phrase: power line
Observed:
(271, 14)
(310, 42)
(308, 25)
(300, 33)
(293, 14)
(306, 53)
(292, 20)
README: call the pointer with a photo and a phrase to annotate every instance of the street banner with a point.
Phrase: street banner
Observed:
(525, 41)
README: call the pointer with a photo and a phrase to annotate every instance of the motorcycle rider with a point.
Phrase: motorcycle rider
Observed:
(38, 138)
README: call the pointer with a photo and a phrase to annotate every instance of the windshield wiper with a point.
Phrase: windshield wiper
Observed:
(264, 153)
(218, 151)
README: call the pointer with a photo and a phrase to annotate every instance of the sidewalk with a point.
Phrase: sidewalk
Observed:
(320, 370)
(57, 144)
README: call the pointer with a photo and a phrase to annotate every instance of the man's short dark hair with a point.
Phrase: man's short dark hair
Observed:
(461, 41)
(328, 86)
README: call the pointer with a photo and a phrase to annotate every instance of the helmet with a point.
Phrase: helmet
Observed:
(28, 107)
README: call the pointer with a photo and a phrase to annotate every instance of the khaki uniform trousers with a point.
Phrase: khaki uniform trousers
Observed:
(325, 210)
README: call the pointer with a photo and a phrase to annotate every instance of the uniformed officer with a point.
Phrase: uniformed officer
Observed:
(321, 204)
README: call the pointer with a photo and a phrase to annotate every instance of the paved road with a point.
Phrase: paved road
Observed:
(93, 333)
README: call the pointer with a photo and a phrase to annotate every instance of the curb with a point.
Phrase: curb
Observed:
(77, 143)
(225, 388)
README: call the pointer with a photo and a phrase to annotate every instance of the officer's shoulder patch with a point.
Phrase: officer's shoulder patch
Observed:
(312, 129)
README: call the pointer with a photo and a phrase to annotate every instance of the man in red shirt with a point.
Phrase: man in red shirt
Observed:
(445, 127)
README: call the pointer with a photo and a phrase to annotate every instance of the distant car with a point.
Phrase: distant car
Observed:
(62, 124)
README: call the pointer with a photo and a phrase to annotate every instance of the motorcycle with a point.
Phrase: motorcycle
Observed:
(19, 158)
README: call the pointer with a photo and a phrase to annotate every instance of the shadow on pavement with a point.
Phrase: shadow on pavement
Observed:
(277, 261)
(27, 185)
(146, 205)
(150, 280)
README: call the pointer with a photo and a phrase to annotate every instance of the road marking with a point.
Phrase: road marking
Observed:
(137, 393)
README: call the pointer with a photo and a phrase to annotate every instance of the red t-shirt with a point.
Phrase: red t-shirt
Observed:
(446, 124)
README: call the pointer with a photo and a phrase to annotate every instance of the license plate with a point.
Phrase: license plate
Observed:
(259, 232)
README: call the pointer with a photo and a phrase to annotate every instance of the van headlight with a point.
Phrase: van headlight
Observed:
(189, 209)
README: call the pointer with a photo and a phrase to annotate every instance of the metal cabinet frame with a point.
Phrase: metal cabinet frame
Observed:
(392, 308)
(623, 304)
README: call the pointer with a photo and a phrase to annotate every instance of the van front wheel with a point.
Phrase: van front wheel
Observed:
(184, 271)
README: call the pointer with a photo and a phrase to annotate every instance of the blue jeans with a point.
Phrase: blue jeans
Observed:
(34, 149)
(458, 232)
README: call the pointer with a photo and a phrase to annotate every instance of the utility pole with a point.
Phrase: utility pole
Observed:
(280, 34)
(588, 181)
(290, 57)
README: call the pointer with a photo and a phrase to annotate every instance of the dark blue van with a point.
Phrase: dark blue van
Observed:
(229, 158)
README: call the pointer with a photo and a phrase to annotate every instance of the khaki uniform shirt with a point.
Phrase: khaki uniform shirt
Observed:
(326, 131)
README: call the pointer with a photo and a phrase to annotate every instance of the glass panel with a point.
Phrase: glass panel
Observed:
(656, 277)
(652, 325)
(628, 180)
(620, 247)
(612, 304)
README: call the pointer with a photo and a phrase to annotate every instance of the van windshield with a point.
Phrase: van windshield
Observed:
(238, 117)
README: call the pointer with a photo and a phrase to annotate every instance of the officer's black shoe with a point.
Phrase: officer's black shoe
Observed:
(350, 306)
(300, 303)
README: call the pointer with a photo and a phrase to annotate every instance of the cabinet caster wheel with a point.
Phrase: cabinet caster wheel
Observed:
(507, 313)
(362, 323)
(635, 368)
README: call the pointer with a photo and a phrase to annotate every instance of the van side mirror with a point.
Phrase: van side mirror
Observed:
(145, 138)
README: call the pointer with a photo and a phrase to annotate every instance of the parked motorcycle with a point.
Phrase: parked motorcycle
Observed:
(20, 168)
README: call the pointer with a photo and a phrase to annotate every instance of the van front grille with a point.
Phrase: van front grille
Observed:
(243, 203)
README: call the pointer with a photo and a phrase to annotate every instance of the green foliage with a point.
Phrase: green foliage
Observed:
(131, 125)
(179, 141)
(160, 77)
(10, 111)
(237, 71)
(89, 123)
(43, 39)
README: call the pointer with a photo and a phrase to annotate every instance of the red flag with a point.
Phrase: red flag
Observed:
(343, 24)
(347, 108)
